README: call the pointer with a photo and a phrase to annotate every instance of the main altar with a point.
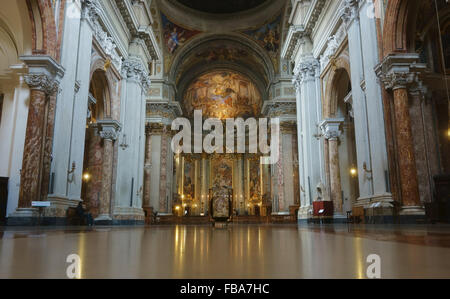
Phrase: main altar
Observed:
(221, 185)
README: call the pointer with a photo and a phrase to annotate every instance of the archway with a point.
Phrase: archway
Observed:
(413, 27)
(347, 142)
(99, 96)
(16, 32)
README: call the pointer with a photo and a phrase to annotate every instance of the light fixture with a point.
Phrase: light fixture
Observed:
(177, 208)
(448, 133)
(86, 177)
(353, 171)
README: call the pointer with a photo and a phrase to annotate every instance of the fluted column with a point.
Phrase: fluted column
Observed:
(399, 73)
(108, 131)
(332, 131)
(308, 82)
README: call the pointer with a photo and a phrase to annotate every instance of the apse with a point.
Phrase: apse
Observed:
(223, 94)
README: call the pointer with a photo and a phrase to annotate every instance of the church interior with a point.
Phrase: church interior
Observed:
(90, 91)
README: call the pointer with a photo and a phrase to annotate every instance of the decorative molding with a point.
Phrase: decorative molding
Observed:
(280, 108)
(297, 32)
(334, 43)
(162, 109)
(145, 34)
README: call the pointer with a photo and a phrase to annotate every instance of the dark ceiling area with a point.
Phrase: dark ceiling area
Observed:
(221, 6)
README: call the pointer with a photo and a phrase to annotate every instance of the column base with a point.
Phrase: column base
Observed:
(412, 215)
(104, 219)
(128, 216)
(24, 217)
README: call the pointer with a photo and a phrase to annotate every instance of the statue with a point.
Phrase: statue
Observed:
(321, 193)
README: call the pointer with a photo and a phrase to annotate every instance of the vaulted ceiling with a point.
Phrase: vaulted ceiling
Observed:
(222, 6)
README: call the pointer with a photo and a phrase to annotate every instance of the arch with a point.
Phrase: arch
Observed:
(102, 77)
(339, 66)
(44, 28)
(400, 15)
(203, 41)
(100, 88)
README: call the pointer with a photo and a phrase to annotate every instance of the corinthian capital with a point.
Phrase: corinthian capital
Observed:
(42, 82)
(400, 71)
(133, 69)
(331, 128)
(349, 11)
(44, 73)
(307, 70)
(108, 129)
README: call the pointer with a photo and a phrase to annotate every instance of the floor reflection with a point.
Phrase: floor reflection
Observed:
(234, 252)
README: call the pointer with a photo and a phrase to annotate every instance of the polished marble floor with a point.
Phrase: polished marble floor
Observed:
(247, 251)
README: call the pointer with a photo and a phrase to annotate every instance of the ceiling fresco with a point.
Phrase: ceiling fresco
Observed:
(268, 36)
(222, 51)
(174, 35)
(223, 94)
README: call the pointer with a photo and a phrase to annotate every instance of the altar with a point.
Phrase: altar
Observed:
(221, 185)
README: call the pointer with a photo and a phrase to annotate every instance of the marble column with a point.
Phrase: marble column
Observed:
(43, 81)
(147, 167)
(287, 139)
(332, 131)
(407, 161)
(399, 73)
(108, 131)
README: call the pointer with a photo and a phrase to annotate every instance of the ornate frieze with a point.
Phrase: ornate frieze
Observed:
(156, 129)
(334, 42)
(162, 109)
(331, 128)
(91, 11)
(280, 108)
(133, 69)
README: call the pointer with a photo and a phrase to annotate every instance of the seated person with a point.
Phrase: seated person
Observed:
(82, 214)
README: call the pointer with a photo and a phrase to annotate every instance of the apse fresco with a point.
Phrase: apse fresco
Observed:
(174, 35)
(223, 94)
